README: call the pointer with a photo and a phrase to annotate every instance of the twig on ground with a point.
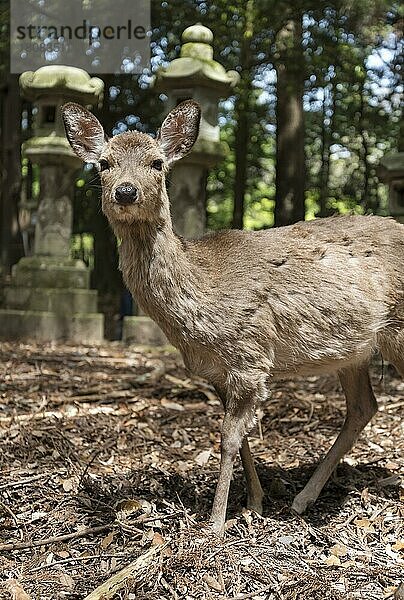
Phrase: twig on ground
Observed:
(54, 539)
(34, 416)
(159, 518)
(252, 594)
(238, 541)
(109, 444)
(10, 512)
(105, 398)
(274, 583)
(15, 484)
(116, 582)
(74, 559)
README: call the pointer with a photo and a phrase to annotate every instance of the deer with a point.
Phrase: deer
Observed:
(246, 308)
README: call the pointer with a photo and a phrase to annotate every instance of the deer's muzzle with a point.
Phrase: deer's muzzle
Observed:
(126, 193)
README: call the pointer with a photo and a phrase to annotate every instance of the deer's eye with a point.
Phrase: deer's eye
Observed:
(157, 164)
(104, 165)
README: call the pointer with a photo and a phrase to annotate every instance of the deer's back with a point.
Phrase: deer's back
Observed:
(307, 297)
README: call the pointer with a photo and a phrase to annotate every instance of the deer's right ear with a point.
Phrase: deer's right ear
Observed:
(84, 132)
(179, 130)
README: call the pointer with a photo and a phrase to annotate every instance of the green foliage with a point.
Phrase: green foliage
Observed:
(352, 106)
(4, 39)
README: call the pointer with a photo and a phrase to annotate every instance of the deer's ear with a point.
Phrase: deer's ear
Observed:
(84, 132)
(179, 130)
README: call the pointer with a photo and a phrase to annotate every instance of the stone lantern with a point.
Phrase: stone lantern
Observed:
(195, 74)
(49, 296)
(391, 172)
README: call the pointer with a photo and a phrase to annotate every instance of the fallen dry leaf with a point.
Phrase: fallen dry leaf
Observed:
(365, 524)
(68, 484)
(157, 539)
(202, 458)
(16, 590)
(66, 581)
(129, 506)
(63, 553)
(332, 561)
(399, 545)
(339, 550)
(212, 582)
(107, 541)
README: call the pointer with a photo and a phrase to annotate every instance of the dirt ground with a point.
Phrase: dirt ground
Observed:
(108, 452)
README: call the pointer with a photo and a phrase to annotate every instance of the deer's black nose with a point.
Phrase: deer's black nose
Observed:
(126, 193)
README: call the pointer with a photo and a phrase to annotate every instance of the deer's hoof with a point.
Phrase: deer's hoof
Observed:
(216, 527)
(255, 506)
(301, 503)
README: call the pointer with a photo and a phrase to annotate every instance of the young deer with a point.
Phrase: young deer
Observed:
(246, 307)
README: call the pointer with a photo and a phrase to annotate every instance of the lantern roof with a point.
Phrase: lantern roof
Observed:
(391, 166)
(196, 65)
(63, 81)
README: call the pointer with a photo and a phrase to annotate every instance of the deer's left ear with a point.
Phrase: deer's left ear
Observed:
(84, 132)
(179, 130)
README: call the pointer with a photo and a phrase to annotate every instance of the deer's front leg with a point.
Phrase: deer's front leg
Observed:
(232, 437)
(255, 493)
(237, 422)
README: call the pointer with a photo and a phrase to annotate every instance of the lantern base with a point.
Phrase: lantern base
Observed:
(142, 331)
(49, 300)
(49, 326)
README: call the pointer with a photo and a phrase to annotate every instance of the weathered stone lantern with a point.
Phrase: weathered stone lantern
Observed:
(391, 172)
(49, 296)
(195, 74)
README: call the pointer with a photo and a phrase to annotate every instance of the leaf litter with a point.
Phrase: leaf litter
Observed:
(110, 451)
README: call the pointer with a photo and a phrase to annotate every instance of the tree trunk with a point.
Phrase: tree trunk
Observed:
(290, 161)
(11, 248)
(400, 146)
(326, 133)
(366, 201)
(242, 133)
(241, 145)
(106, 277)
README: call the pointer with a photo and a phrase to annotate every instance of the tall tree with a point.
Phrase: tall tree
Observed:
(11, 248)
(242, 106)
(290, 161)
(10, 159)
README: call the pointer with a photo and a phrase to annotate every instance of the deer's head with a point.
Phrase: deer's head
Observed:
(133, 165)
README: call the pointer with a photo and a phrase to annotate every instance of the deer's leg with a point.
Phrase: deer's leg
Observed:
(232, 437)
(255, 493)
(240, 401)
(254, 489)
(361, 406)
(399, 365)
(393, 351)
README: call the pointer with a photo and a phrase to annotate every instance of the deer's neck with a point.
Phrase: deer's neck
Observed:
(158, 272)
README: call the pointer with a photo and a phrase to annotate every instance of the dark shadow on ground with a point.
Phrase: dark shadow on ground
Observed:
(195, 491)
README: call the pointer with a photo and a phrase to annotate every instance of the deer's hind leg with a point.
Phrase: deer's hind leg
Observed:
(361, 406)
(392, 349)
(255, 493)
